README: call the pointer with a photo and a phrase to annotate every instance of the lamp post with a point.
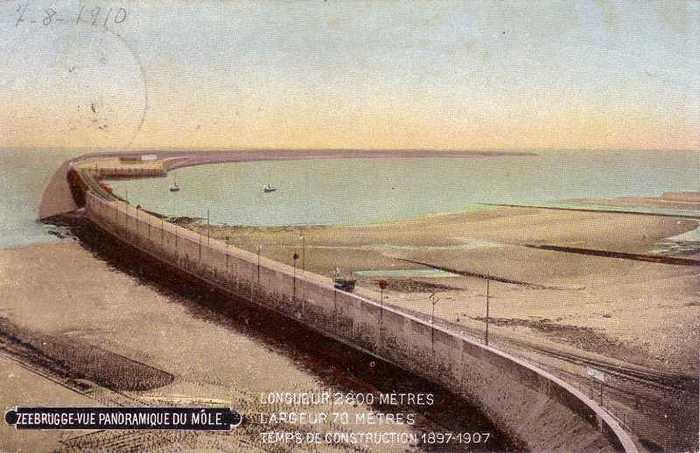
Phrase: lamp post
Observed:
(126, 214)
(228, 272)
(295, 257)
(487, 311)
(303, 252)
(382, 284)
(434, 300)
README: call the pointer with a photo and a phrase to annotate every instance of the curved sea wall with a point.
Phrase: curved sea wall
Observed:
(530, 404)
(57, 197)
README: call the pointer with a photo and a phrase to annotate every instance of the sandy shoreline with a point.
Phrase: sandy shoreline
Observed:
(216, 352)
(606, 293)
(630, 317)
(635, 318)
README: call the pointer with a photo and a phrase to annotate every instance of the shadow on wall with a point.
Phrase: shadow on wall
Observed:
(339, 367)
(533, 405)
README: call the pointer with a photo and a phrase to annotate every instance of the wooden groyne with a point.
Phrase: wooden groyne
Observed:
(596, 210)
(661, 259)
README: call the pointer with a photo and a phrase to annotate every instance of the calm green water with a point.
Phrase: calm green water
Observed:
(406, 273)
(23, 176)
(355, 191)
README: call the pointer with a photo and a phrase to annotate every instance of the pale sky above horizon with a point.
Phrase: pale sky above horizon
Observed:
(374, 75)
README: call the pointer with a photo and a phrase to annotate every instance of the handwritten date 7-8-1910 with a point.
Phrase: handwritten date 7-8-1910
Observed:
(97, 16)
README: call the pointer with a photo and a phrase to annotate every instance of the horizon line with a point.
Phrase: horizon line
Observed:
(253, 149)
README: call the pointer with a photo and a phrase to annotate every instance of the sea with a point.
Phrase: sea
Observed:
(356, 191)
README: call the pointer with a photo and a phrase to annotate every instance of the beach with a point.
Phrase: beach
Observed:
(101, 331)
(589, 292)
(568, 312)
(568, 288)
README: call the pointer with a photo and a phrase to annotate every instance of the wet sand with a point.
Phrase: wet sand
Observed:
(81, 296)
(20, 384)
(589, 292)
(639, 321)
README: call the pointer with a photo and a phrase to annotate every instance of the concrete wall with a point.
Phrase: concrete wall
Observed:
(528, 403)
(57, 197)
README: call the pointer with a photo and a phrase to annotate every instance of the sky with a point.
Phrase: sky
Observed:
(505, 75)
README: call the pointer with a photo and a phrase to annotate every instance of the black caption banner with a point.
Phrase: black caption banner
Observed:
(186, 418)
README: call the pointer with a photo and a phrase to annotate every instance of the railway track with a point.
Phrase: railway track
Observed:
(659, 407)
(657, 379)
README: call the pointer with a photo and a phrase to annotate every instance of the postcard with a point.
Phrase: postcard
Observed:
(368, 226)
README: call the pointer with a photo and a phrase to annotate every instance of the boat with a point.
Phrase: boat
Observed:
(174, 187)
(268, 188)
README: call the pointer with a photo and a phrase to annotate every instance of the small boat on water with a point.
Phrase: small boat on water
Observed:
(174, 187)
(268, 188)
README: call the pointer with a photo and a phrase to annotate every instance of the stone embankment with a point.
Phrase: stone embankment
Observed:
(533, 406)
